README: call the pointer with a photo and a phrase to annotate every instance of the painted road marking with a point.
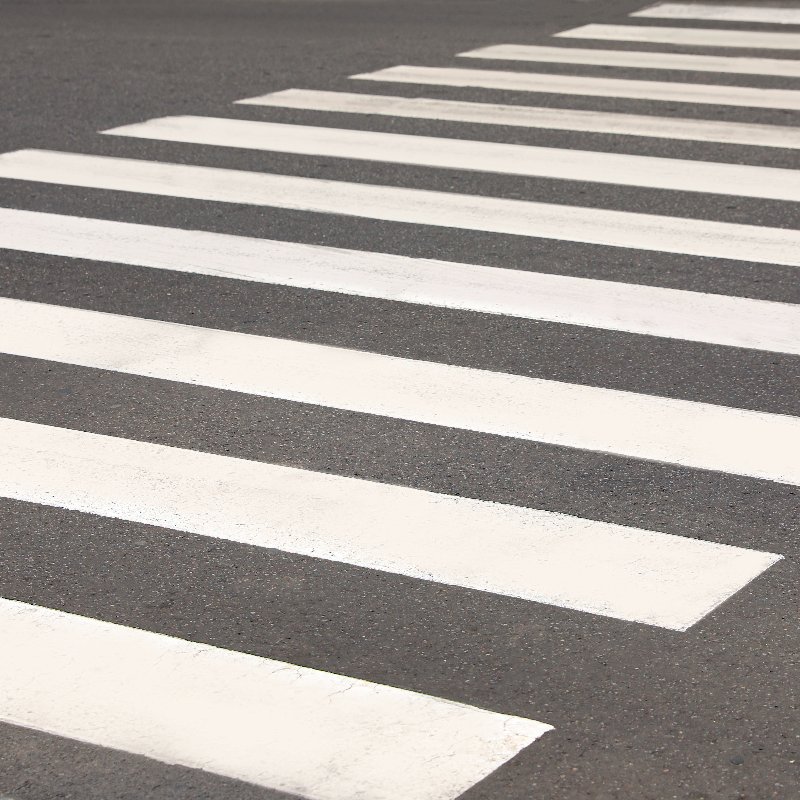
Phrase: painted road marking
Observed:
(672, 313)
(694, 37)
(698, 130)
(277, 725)
(638, 60)
(498, 215)
(775, 15)
(693, 434)
(597, 567)
(711, 94)
(463, 154)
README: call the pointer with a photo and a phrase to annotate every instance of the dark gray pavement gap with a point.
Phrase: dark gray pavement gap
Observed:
(642, 713)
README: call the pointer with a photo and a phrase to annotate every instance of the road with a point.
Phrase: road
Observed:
(427, 431)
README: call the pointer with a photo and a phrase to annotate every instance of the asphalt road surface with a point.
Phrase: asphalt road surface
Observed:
(426, 434)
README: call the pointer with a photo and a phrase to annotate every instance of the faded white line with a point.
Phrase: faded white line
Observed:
(774, 15)
(633, 59)
(289, 728)
(677, 314)
(693, 37)
(698, 435)
(597, 567)
(567, 119)
(662, 91)
(390, 203)
(650, 172)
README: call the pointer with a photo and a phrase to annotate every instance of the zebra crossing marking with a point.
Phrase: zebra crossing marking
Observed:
(610, 305)
(597, 567)
(567, 119)
(315, 734)
(692, 434)
(662, 91)
(650, 172)
(634, 59)
(774, 15)
(694, 37)
(418, 206)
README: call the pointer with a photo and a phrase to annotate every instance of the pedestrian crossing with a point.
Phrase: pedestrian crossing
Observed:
(63, 673)
(324, 735)
(775, 15)
(588, 225)
(609, 305)
(633, 59)
(691, 37)
(563, 119)
(659, 91)
(506, 159)
(697, 435)
(642, 576)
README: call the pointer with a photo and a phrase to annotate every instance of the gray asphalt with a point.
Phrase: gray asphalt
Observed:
(639, 712)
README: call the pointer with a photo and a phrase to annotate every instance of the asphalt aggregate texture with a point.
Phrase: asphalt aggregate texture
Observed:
(639, 712)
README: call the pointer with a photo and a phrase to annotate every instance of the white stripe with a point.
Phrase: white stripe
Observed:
(464, 154)
(535, 117)
(591, 87)
(695, 37)
(693, 434)
(677, 314)
(273, 724)
(446, 209)
(638, 60)
(611, 570)
(775, 15)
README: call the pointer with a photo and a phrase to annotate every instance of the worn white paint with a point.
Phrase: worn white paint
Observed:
(285, 727)
(774, 15)
(611, 570)
(635, 59)
(566, 119)
(692, 37)
(672, 313)
(741, 180)
(447, 209)
(663, 91)
(698, 435)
